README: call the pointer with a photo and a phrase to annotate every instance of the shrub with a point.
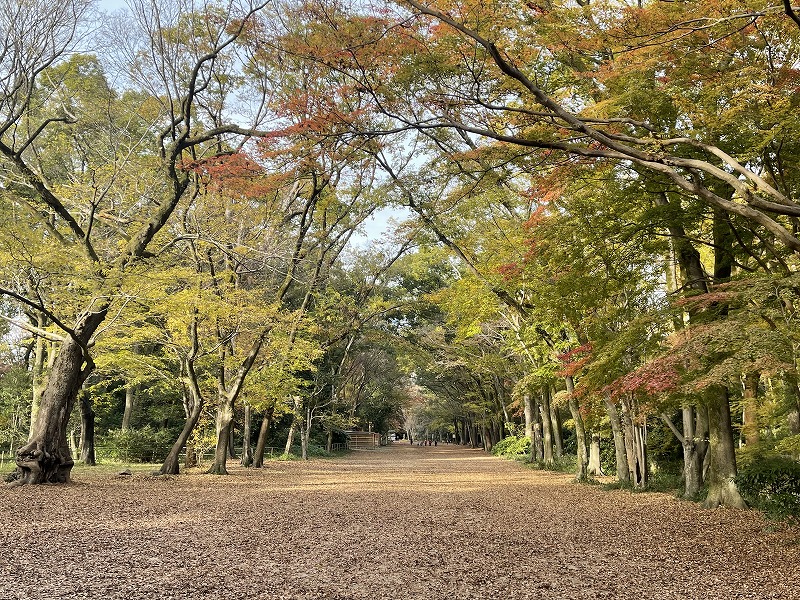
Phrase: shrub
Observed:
(512, 446)
(772, 484)
(135, 445)
(564, 464)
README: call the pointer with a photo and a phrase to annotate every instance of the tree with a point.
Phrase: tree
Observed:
(105, 229)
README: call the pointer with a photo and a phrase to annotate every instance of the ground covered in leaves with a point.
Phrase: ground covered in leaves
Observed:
(401, 522)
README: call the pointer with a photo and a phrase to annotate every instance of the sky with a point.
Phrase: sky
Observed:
(374, 229)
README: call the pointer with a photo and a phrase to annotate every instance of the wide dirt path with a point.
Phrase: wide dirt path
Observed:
(404, 522)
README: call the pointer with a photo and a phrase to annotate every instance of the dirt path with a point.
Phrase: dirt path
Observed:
(405, 522)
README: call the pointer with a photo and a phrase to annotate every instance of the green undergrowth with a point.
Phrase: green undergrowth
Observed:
(514, 447)
(771, 483)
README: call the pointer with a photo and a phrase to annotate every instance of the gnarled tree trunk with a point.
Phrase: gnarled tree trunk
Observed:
(46, 457)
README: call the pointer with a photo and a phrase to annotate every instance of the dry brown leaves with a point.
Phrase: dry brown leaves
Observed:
(404, 522)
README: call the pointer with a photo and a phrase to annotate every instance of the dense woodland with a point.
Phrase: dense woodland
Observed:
(592, 251)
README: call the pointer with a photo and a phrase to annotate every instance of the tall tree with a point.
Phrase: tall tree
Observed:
(106, 229)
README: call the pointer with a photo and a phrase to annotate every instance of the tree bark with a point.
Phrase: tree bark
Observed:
(594, 467)
(247, 451)
(750, 426)
(722, 489)
(38, 370)
(171, 462)
(580, 431)
(304, 433)
(528, 407)
(695, 446)
(635, 444)
(558, 442)
(130, 402)
(232, 440)
(224, 426)
(537, 445)
(261, 444)
(46, 457)
(547, 426)
(290, 436)
(87, 429)
(623, 474)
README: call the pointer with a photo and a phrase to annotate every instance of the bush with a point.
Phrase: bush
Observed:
(772, 484)
(512, 447)
(565, 464)
(144, 445)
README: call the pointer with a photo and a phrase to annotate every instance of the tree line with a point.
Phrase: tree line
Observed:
(598, 238)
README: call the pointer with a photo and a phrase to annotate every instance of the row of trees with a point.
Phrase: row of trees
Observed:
(601, 220)
(170, 223)
(618, 184)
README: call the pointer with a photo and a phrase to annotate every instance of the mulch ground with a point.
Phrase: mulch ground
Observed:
(401, 522)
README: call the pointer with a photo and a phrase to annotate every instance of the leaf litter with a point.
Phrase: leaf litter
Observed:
(398, 522)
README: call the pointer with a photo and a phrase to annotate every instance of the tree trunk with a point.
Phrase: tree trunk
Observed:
(580, 431)
(228, 392)
(750, 427)
(528, 406)
(694, 451)
(721, 488)
(547, 427)
(558, 442)
(623, 474)
(71, 441)
(537, 447)
(290, 437)
(640, 447)
(38, 370)
(130, 402)
(224, 426)
(261, 444)
(46, 457)
(594, 467)
(87, 429)
(304, 433)
(635, 444)
(171, 462)
(247, 450)
(793, 393)
(232, 440)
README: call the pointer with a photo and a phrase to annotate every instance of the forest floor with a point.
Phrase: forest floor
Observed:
(403, 522)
